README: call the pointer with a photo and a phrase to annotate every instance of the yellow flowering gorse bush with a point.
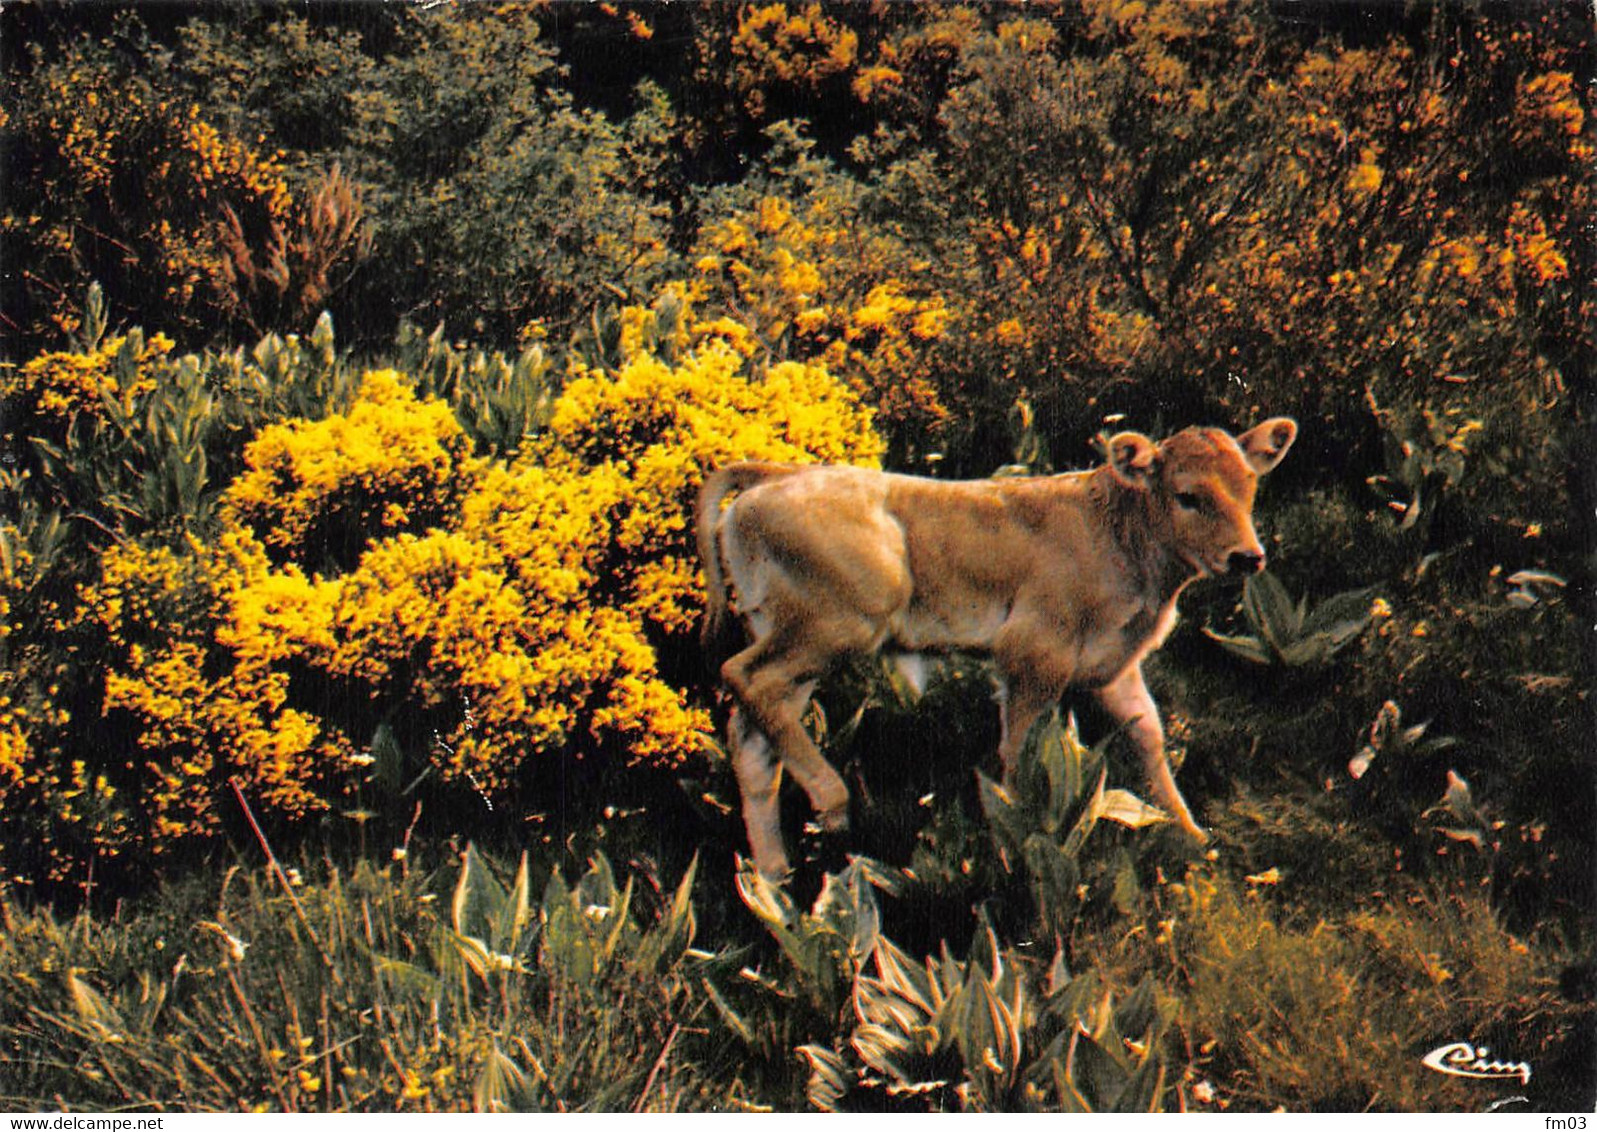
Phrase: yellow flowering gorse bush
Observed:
(793, 279)
(63, 384)
(147, 174)
(661, 428)
(370, 571)
(204, 710)
(777, 46)
(391, 463)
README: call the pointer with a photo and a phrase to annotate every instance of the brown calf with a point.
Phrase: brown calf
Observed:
(1066, 581)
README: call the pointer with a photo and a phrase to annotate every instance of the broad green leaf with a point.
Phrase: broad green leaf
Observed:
(479, 958)
(802, 942)
(1000, 810)
(989, 1038)
(1144, 1088)
(1337, 612)
(1055, 876)
(567, 944)
(884, 1049)
(828, 1082)
(764, 899)
(1089, 817)
(903, 976)
(502, 1085)
(731, 1017)
(664, 944)
(152, 997)
(479, 897)
(617, 921)
(1070, 1097)
(518, 909)
(93, 1008)
(1248, 648)
(1269, 610)
(1098, 1073)
(1125, 890)
(1141, 1011)
(406, 979)
(985, 954)
(1125, 808)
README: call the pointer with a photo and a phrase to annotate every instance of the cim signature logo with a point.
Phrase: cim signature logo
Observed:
(1465, 1059)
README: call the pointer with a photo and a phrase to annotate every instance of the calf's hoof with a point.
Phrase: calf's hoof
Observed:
(834, 821)
(778, 872)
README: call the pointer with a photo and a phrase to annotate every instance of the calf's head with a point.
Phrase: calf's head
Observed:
(1199, 487)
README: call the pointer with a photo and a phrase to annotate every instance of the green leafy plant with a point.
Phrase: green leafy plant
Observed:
(1390, 768)
(989, 1032)
(1060, 795)
(136, 455)
(984, 1034)
(500, 953)
(371, 991)
(1291, 634)
(287, 376)
(827, 946)
(500, 401)
(579, 934)
(1389, 741)
(1426, 454)
(1458, 817)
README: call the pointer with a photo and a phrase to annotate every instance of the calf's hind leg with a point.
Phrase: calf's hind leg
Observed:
(759, 776)
(774, 689)
(822, 603)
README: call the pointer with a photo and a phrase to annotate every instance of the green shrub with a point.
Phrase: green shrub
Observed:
(1295, 635)
(369, 991)
(990, 1033)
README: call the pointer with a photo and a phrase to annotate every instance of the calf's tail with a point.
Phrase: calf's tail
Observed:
(717, 631)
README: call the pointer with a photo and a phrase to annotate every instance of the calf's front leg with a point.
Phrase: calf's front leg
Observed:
(1030, 681)
(1128, 702)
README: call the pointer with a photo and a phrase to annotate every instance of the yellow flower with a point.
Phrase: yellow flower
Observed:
(1466, 257)
(1366, 176)
(392, 461)
(68, 384)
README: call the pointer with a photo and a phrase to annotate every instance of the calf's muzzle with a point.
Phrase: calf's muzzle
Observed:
(1245, 562)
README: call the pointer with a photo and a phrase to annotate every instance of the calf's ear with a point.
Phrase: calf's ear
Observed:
(1132, 457)
(1265, 444)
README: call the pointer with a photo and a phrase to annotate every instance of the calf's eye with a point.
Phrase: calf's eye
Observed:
(1186, 500)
